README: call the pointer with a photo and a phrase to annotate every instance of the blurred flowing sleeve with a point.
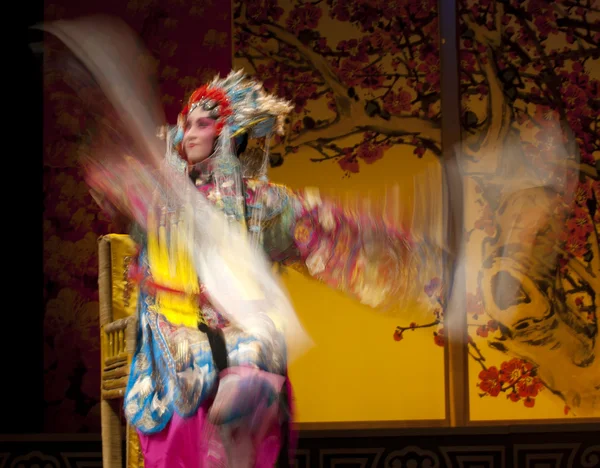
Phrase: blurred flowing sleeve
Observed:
(350, 249)
(122, 188)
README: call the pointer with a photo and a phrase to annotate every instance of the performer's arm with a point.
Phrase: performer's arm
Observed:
(122, 189)
(357, 253)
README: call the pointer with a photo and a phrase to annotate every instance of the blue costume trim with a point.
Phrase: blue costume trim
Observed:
(153, 363)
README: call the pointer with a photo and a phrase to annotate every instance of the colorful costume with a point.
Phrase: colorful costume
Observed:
(208, 383)
(200, 387)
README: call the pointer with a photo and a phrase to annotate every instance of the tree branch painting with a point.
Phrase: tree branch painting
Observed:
(523, 65)
(381, 84)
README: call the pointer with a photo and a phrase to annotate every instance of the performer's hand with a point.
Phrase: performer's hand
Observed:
(245, 393)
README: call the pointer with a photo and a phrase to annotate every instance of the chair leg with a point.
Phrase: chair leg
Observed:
(112, 444)
(135, 459)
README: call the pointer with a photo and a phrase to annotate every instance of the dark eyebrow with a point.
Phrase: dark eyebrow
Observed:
(189, 120)
(200, 119)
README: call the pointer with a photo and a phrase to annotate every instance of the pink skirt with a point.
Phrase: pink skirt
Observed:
(194, 442)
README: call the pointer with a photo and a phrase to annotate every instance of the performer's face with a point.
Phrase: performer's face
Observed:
(199, 136)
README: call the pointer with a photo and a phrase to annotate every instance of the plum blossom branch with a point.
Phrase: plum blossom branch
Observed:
(351, 114)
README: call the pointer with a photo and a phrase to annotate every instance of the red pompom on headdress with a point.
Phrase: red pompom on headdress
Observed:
(212, 99)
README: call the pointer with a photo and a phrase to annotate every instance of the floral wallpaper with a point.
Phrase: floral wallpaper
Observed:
(376, 64)
(364, 78)
(523, 64)
(185, 49)
(533, 62)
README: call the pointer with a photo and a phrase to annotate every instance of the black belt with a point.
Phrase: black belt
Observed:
(216, 340)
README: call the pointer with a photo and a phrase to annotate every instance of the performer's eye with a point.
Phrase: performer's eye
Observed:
(204, 123)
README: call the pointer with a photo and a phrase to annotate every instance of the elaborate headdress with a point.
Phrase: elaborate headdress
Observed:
(240, 106)
(239, 103)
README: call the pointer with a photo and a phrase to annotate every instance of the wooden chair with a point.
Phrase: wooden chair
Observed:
(118, 300)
